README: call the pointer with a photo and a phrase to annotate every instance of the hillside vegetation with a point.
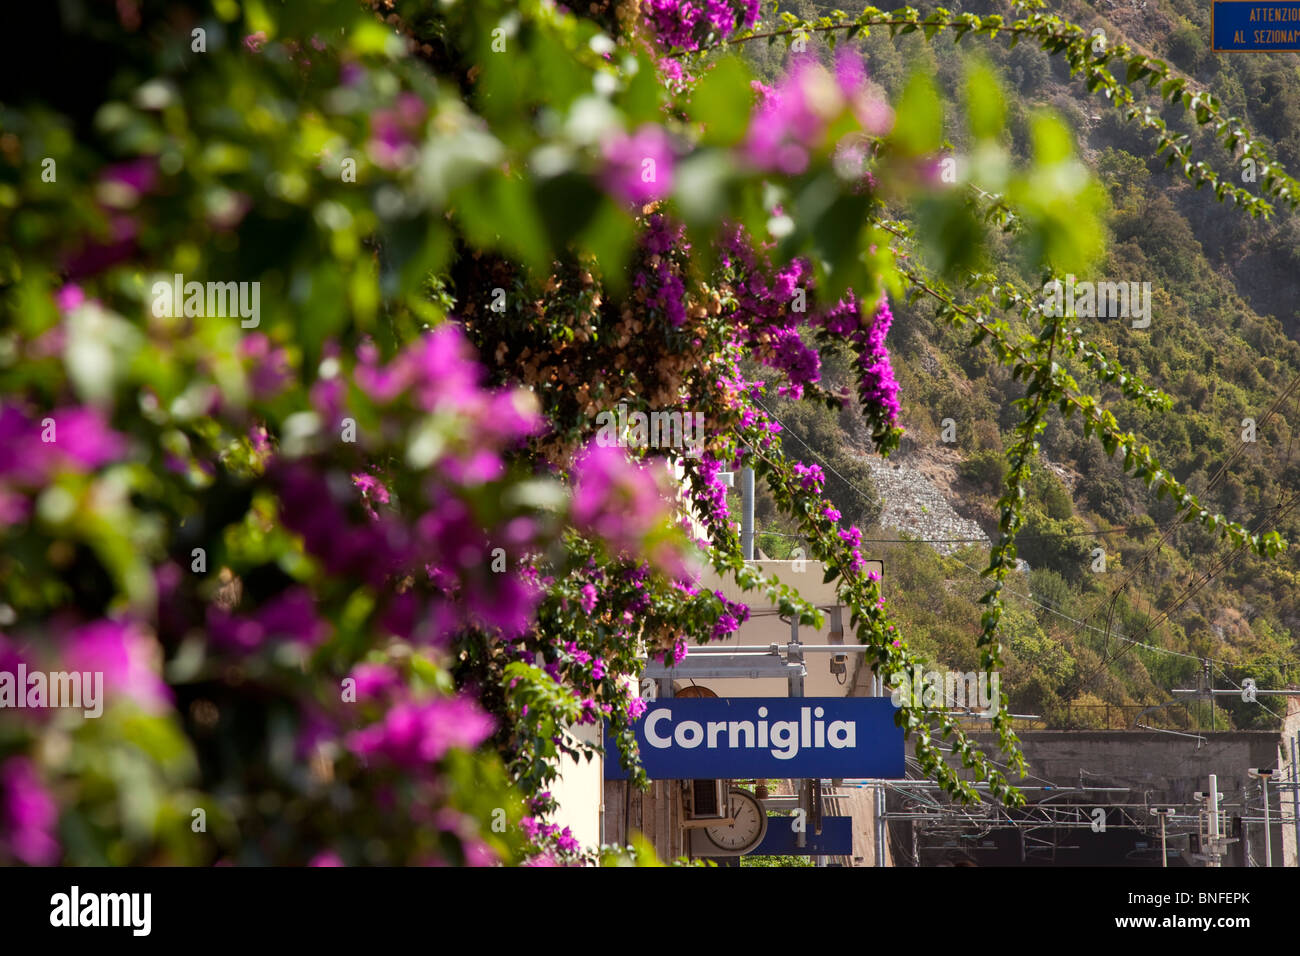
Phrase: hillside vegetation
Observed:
(1221, 343)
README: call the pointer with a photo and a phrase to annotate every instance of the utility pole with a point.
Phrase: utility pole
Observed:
(1209, 685)
(1163, 813)
(747, 513)
(1214, 848)
(878, 690)
(1295, 792)
(1214, 816)
(728, 478)
(1263, 775)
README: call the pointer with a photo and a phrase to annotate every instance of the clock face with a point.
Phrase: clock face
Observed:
(749, 827)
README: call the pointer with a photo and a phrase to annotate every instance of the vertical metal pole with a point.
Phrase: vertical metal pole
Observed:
(1207, 680)
(1295, 792)
(1164, 851)
(1268, 835)
(877, 690)
(1214, 819)
(795, 682)
(794, 655)
(747, 513)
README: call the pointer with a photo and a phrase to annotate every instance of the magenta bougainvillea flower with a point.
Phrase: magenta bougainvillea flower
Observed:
(122, 184)
(268, 365)
(126, 657)
(69, 297)
(73, 438)
(792, 119)
(811, 477)
(678, 652)
(372, 491)
(639, 167)
(415, 734)
(662, 284)
(290, 616)
(880, 387)
(14, 508)
(395, 133)
(375, 681)
(733, 615)
(615, 499)
(28, 815)
(687, 24)
(440, 373)
(367, 550)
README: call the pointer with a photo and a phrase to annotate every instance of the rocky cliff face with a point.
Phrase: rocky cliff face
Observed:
(913, 503)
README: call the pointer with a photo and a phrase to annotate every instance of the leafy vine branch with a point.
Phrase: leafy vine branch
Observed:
(1137, 457)
(1057, 36)
(860, 592)
(1050, 384)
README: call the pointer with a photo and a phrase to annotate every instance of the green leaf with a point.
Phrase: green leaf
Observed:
(567, 203)
(610, 238)
(722, 102)
(836, 236)
(984, 103)
(1052, 142)
(498, 212)
(919, 124)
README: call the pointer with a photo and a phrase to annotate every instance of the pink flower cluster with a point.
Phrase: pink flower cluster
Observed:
(794, 119)
(615, 499)
(290, 616)
(663, 282)
(770, 326)
(732, 615)
(124, 654)
(28, 815)
(269, 371)
(33, 448)
(415, 734)
(688, 24)
(537, 831)
(879, 387)
(639, 167)
(811, 477)
(440, 374)
(766, 307)
(395, 132)
(711, 502)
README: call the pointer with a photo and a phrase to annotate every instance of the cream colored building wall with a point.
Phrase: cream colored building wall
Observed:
(765, 627)
(580, 792)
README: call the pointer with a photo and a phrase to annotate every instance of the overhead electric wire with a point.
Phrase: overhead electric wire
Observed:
(984, 540)
(1191, 590)
(1081, 623)
(1218, 476)
(1129, 642)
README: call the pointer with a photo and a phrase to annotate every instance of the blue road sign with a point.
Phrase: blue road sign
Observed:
(765, 737)
(1256, 25)
(836, 838)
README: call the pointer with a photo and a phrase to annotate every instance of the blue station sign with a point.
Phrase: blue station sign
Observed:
(836, 838)
(1260, 25)
(765, 737)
